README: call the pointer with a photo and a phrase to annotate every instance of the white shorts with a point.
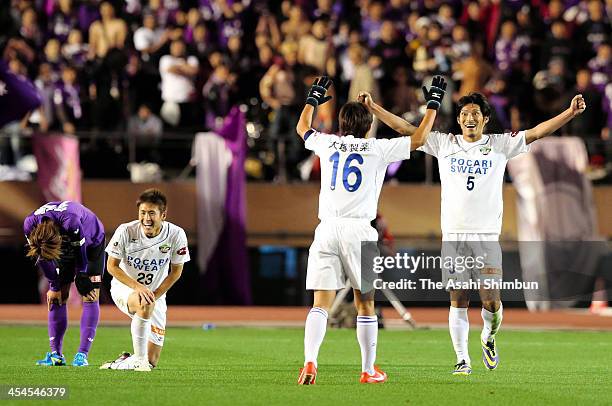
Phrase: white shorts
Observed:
(335, 254)
(120, 294)
(484, 251)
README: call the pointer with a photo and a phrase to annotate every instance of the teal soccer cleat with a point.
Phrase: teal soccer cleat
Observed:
(490, 357)
(462, 368)
(80, 360)
(52, 359)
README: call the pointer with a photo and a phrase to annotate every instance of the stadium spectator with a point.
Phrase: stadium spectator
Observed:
(296, 25)
(558, 44)
(178, 72)
(107, 33)
(281, 88)
(67, 101)
(29, 30)
(145, 128)
(218, 93)
(149, 38)
(601, 66)
(63, 20)
(594, 31)
(511, 50)
(74, 51)
(314, 47)
(590, 123)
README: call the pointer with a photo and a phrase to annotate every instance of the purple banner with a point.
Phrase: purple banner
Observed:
(59, 168)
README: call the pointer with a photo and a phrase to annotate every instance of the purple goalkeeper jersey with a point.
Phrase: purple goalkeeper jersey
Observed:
(77, 223)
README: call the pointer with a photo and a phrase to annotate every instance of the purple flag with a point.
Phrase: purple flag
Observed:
(17, 96)
(227, 278)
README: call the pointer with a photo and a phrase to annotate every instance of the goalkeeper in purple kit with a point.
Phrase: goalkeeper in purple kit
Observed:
(66, 240)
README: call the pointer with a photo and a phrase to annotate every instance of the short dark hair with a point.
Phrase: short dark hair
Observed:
(153, 196)
(475, 98)
(355, 119)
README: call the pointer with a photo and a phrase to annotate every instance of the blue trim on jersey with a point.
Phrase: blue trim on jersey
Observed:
(308, 134)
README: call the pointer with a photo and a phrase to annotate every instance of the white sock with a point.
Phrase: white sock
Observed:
(492, 321)
(459, 327)
(140, 334)
(314, 332)
(367, 335)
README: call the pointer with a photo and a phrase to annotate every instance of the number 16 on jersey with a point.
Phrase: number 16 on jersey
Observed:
(347, 170)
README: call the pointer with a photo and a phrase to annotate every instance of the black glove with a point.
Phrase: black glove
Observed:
(316, 94)
(435, 94)
(84, 284)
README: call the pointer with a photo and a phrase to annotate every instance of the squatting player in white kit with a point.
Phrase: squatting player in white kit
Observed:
(472, 168)
(352, 173)
(145, 258)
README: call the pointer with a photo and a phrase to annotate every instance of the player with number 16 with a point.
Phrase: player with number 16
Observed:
(353, 169)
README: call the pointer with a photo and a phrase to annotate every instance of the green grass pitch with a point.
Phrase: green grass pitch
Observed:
(260, 366)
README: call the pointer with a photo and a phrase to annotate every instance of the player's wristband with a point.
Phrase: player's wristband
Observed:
(433, 105)
(312, 101)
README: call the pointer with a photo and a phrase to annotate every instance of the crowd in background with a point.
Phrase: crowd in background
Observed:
(154, 66)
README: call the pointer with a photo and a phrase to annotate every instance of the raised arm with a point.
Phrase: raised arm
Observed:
(433, 96)
(396, 123)
(316, 96)
(577, 107)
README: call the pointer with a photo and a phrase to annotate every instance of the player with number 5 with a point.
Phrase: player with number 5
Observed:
(67, 241)
(145, 258)
(353, 169)
(472, 166)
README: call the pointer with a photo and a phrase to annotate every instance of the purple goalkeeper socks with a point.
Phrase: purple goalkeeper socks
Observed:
(89, 323)
(58, 321)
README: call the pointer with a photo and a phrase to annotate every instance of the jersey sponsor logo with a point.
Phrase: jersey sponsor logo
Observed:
(182, 251)
(115, 243)
(147, 265)
(95, 278)
(158, 331)
(63, 206)
(470, 166)
(165, 248)
(485, 150)
(350, 147)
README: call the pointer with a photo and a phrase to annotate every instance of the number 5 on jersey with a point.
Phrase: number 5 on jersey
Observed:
(470, 183)
(346, 171)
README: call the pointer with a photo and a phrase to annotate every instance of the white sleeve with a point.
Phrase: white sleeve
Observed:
(164, 63)
(180, 249)
(116, 246)
(510, 144)
(193, 61)
(432, 144)
(394, 149)
(314, 139)
(141, 40)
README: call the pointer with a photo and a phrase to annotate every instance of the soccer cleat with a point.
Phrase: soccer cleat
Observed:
(80, 360)
(142, 365)
(308, 374)
(490, 358)
(378, 376)
(52, 359)
(462, 368)
(116, 363)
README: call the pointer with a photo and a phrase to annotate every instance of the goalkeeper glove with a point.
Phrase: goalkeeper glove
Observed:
(435, 94)
(316, 94)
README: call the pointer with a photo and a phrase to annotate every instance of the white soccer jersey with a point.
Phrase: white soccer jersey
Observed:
(353, 171)
(147, 260)
(472, 176)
